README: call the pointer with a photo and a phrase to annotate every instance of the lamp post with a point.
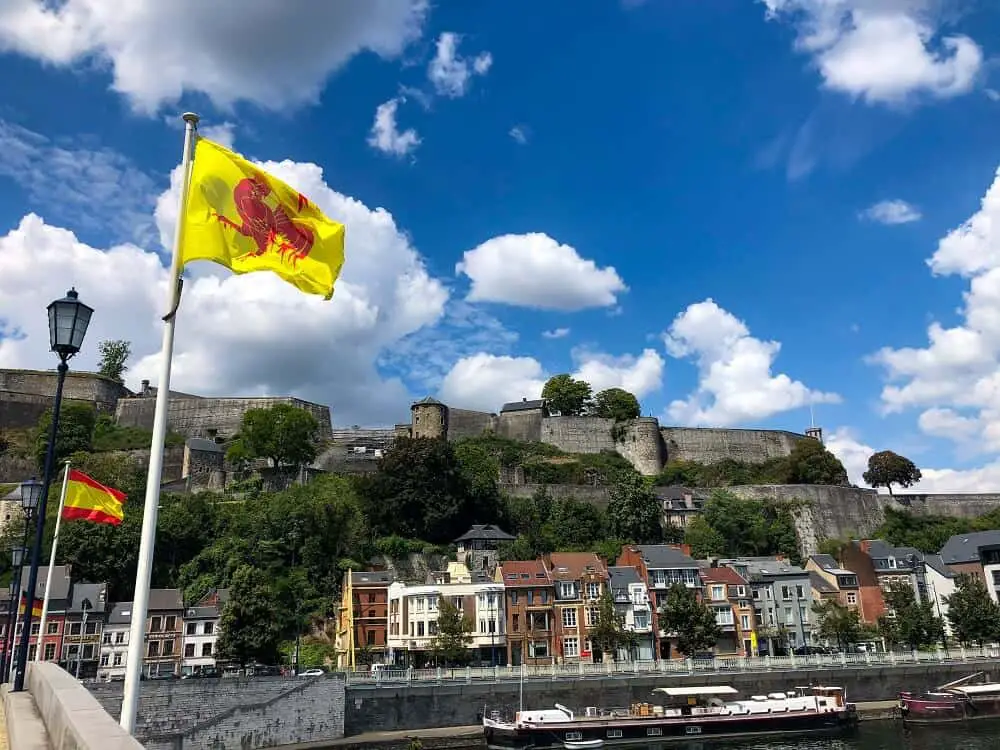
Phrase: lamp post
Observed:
(296, 535)
(68, 322)
(85, 605)
(30, 491)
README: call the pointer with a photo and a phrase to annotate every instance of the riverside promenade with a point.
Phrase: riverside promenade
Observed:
(366, 678)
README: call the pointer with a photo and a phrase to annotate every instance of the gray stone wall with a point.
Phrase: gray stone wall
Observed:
(708, 445)
(80, 386)
(588, 493)
(525, 426)
(135, 412)
(967, 505)
(233, 714)
(642, 445)
(579, 434)
(427, 706)
(463, 423)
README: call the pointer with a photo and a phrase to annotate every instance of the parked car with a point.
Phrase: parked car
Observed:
(202, 673)
(313, 672)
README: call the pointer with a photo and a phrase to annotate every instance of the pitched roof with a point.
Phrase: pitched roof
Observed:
(663, 556)
(819, 583)
(722, 574)
(826, 562)
(165, 600)
(524, 405)
(204, 445)
(121, 614)
(570, 566)
(427, 401)
(771, 568)
(95, 594)
(486, 531)
(938, 565)
(371, 577)
(525, 573)
(964, 548)
(201, 613)
(623, 575)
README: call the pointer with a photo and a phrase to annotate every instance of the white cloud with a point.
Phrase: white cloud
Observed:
(451, 73)
(224, 133)
(519, 133)
(533, 270)
(891, 212)
(96, 189)
(882, 51)
(956, 377)
(236, 335)
(556, 333)
(853, 453)
(274, 53)
(735, 381)
(486, 381)
(385, 135)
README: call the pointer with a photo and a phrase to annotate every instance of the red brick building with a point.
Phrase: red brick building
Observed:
(529, 599)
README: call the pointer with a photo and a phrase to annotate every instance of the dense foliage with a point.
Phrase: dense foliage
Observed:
(908, 622)
(973, 615)
(731, 527)
(928, 533)
(615, 403)
(113, 359)
(840, 624)
(690, 621)
(566, 395)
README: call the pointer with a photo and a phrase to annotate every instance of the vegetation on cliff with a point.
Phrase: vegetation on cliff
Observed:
(730, 526)
(570, 397)
(928, 533)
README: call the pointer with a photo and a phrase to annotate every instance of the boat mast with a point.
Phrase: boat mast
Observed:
(960, 680)
(520, 690)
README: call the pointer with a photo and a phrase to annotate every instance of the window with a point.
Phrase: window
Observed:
(538, 649)
(756, 593)
(515, 622)
(567, 590)
(154, 648)
(156, 624)
(192, 628)
(106, 639)
(91, 628)
(788, 615)
(799, 593)
(52, 628)
(105, 658)
(593, 590)
(543, 596)
(852, 598)
(641, 620)
(718, 592)
(209, 628)
(371, 598)
(188, 650)
(74, 628)
(724, 617)
(117, 660)
(171, 623)
(34, 628)
(119, 638)
(32, 650)
(786, 592)
(206, 648)
(513, 597)
(569, 617)
(432, 603)
(744, 622)
(741, 591)
(803, 615)
(531, 597)
(369, 639)
(420, 629)
(571, 647)
(168, 648)
(592, 614)
(88, 651)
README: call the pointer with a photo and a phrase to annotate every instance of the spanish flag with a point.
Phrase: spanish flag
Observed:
(242, 218)
(36, 606)
(89, 500)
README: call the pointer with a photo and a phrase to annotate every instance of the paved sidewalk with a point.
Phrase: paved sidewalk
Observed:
(3, 729)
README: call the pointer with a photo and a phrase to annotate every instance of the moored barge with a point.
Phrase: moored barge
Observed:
(961, 700)
(681, 713)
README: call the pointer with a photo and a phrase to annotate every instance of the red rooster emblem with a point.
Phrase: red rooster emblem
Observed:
(268, 226)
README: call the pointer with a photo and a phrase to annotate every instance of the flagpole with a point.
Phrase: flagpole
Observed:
(144, 569)
(52, 564)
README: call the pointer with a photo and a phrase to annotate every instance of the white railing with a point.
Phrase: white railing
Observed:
(719, 664)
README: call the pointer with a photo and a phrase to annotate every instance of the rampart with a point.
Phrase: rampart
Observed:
(708, 445)
(27, 394)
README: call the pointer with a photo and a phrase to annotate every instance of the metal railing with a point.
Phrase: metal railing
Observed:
(625, 669)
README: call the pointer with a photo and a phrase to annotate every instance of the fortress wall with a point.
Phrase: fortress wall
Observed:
(525, 426)
(642, 446)
(195, 417)
(463, 423)
(588, 493)
(709, 445)
(80, 386)
(579, 434)
(135, 412)
(956, 506)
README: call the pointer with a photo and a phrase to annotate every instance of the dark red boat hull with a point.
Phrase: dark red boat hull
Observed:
(933, 709)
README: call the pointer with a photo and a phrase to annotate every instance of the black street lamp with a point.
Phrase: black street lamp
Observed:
(30, 491)
(86, 606)
(68, 322)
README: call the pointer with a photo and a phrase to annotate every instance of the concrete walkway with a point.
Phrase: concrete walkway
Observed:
(3, 729)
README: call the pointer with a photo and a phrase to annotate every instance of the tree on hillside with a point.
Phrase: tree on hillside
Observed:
(735, 526)
(973, 615)
(838, 623)
(114, 358)
(811, 463)
(285, 435)
(703, 539)
(450, 646)
(249, 628)
(886, 468)
(75, 433)
(421, 491)
(690, 622)
(634, 512)
(567, 396)
(615, 403)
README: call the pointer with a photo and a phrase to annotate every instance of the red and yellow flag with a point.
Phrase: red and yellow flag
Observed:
(89, 500)
(239, 216)
(36, 606)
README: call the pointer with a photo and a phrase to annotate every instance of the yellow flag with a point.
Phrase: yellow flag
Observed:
(246, 220)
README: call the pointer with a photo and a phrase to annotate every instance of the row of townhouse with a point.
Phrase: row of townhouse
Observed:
(88, 635)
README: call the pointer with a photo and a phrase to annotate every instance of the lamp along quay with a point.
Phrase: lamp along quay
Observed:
(69, 319)
(28, 493)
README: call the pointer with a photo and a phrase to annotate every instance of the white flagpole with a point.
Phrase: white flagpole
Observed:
(144, 569)
(52, 563)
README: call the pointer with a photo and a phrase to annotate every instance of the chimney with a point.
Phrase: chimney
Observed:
(145, 387)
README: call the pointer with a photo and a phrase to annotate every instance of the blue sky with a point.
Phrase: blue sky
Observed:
(737, 209)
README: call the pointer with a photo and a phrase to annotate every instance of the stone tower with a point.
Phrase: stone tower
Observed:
(429, 419)
(816, 433)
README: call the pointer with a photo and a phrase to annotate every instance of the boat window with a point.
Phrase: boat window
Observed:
(574, 735)
(654, 732)
(612, 733)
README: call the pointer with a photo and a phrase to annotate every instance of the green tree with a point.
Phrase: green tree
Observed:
(838, 623)
(811, 463)
(286, 435)
(908, 621)
(113, 362)
(451, 644)
(886, 468)
(249, 628)
(608, 632)
(74, 434)
(704, 540)
(743, 527)
(973, 615)
(421, 491)
(689, 621)
(566, 395)
(634, 511)
(615, 403)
